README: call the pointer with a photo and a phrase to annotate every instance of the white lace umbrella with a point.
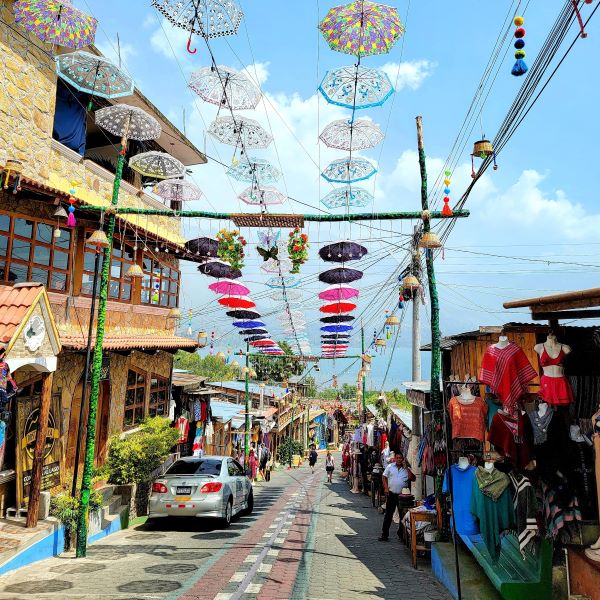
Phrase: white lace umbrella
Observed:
(127, 121)
(240, 132)
(255, 171)
(264, 196)
(344, 135)
(348, 170)
(347, 196)
(282, 266)
(159, 165)
(225, 87)
(177, 191)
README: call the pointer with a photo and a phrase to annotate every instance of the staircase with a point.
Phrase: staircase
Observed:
(113, 516)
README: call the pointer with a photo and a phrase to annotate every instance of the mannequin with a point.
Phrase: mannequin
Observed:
(542, 409)
(463, 462)
(488, 465)
(502, 342)
(554, 386)
(593, 551)
(465, 396)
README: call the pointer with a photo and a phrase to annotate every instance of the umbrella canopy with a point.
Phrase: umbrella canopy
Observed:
(56, 22)
(255, 170)
(225, 87)
(205, 246)
(243, 314)
(219, 269)
(286, 281)
(351, 135)
(248, 324)
(281, 266)
(291, 295)
(338, 307)
(339, 292)
(356, 87)
(94, 75)
(337, 328)
(208, 18)
(348, 196)
(158, 165)
(362, 28)
(262, 196)
(344, 251)
(335, 347)
(236, 302)
(262, 343)
(130, 121)
(336, 336)
(177, 191)
(229, 288)
(256, 331)
(337, 319)
(340, 275)
(240, 132)
(254, 338)
(348, 170)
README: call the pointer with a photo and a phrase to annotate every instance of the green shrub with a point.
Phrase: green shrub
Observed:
(65, 508)
(288, 448)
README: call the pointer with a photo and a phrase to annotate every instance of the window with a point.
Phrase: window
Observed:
(196, 466)
(159, 397)
(160, 285)
(30, 252)
(123, 256)
(135, 399)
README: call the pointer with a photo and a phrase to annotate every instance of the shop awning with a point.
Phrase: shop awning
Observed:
(224, 411)
(188, 381)
(130, 341)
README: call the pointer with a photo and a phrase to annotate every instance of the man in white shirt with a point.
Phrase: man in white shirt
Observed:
(396, 477)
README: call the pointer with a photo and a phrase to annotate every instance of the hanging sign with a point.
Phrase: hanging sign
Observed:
(104, 370)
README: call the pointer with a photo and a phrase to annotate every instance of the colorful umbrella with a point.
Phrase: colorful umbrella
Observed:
(264, 342)
(348, 170)
(336, 347)
(94, 75)
(236, 302)
(129, 121)
(351, 135)
(262, 196)
(344, 251)
(177, 191)
(255, 171)
(348, 196)
(243, 314)
(205, 246)
(253, 332)
(340, 275)
(225, 87)
(228, 287)
(337, 319)
(287, 281)
(158, 165)
(337, 328)
(338, 307)
(219, 270)
(336, 336)
(339, 292)
(254, 338)
(56, 22)
(362, 28)
(356, 87)
(248, 324)
(240, 132)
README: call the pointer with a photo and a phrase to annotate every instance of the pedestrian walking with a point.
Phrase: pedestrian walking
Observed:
(312, 458)
(252, 464)
(396, 477)
(329, 466)
(263, 459)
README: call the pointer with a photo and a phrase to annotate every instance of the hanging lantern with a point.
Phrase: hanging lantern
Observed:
(134, 271)
(14, 167)
(99, 239)
(482, 149)
(60, 212)
(392, 321)
(380, 342)
(202, 339)
(520, 67)
(410, 282)
(221, 356)
(430, 240)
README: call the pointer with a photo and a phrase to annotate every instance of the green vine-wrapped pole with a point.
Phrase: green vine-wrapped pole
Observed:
(90, 442)
(247, 410)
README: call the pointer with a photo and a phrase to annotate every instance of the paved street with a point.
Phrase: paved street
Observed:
(306, 539)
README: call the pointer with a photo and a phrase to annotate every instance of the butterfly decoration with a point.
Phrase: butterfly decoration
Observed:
(268, 253)
(268, 238)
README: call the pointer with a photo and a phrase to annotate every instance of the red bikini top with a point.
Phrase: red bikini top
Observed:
(546, 360)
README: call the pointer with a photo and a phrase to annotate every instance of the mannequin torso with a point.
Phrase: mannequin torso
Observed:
(552, 351)
(502, 342)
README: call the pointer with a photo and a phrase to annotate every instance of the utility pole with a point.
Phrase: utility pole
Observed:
(247, 410)
(364, 374)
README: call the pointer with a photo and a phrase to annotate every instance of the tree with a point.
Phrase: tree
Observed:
(210, 366)
(311, 386)
(271, 368)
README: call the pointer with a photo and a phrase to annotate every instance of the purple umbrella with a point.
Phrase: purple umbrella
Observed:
(253, 331)
(342, 252)
(255, 338)
(337, 328)
(203, 246)
(219, 269)
(340, 275)
(337, 319)
(243, 314)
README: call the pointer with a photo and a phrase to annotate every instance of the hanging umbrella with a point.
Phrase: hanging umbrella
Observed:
(348, 196)
(339, 292)
(334, 347)
(351, 135)
(248, 324)
(356, 87)
(336, 336)
(236, 302)
(362, 28)
(255, 331)
(56, 22)
(337, 319)
(229, 288)
(262, 343)
(281, 266)
(340, 275)
(338, 307)
(129, 121)
(219, 270)
(93, 75)
(158, 165)
(225, 87)
(262, 196)
(243, 314)
(255, 171)
(348, 170)
(344, 251)
(291, 295)
(337, 328)
(207, 18)
(204, 246)
(287, 281)
(254, 338)
(177, 191)
(240, 131)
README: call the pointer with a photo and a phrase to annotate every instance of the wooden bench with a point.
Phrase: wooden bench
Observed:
(514, 577)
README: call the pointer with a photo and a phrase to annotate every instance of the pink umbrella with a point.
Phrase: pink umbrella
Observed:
(229, 287)
(338, 292)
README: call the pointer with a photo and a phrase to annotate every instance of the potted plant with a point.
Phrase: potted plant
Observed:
(231, 247)
(298, 249)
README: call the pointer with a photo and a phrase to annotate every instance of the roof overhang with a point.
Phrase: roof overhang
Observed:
(567, 305)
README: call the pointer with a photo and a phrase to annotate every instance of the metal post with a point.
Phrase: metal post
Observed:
(247, 410)
(292, 430)
(364, 374)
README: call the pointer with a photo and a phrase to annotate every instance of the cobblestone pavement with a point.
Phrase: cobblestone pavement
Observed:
(306, 540)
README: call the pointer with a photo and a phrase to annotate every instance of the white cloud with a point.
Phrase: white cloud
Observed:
(258, 72)
(409, 74)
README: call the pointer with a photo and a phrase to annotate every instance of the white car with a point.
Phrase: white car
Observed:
(210, 487)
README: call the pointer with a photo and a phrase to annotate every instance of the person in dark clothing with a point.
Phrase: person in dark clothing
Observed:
(312, 458)
(396, 477)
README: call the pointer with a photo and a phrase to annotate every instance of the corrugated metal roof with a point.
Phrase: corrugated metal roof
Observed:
(187, 380)
(254, 388)
(15, 302)
(225, 411)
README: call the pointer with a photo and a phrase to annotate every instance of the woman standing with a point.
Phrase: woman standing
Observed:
(329, 466)
(252, 464)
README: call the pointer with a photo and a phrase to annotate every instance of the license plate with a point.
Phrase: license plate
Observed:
(182, 498)
(184, 491)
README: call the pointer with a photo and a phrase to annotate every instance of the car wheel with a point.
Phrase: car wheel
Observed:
(248, 510)
(226, 520)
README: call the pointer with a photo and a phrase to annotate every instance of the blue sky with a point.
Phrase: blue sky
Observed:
(539, 204)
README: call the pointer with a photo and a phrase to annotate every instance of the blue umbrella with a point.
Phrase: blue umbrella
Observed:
(248, 324)
(348, 170)
(356, 87)
(337, 328)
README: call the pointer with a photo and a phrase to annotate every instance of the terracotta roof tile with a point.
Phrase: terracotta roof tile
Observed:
(116, 341)
(15, 301)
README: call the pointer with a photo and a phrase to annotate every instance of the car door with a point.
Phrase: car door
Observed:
(234, 485)
(243, 482)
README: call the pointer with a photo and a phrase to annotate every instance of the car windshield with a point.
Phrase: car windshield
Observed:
(210, 466)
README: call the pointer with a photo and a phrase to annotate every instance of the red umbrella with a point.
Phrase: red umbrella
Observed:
(265, 342)
(237, 302)
(338, 307)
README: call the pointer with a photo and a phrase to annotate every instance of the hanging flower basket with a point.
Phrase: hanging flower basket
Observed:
(298, 249)
(231, 248)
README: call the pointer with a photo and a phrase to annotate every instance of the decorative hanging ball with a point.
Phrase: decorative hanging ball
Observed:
(447, 211)
(520, 67)
(71, 221)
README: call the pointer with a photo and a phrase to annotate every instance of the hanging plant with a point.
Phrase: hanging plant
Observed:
(298, 249)
(231, 248)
